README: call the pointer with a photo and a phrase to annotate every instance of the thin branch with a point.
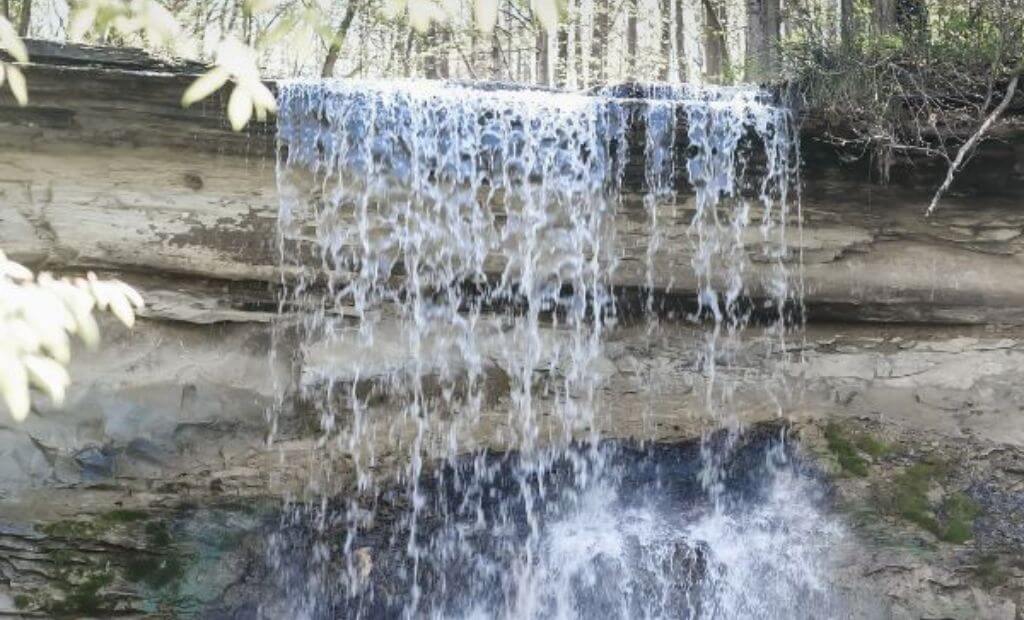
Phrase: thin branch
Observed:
(334, 46)
(466, 61)
(972, 142)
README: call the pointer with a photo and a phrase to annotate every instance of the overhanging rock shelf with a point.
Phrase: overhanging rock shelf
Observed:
(104, 169)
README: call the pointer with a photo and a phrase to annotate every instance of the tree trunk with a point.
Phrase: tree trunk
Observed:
(410, 46)
(435, 52)
(715, 50)
(847, 22)
(884, 16)
(631, 37)
(912, 19)
(599, 42)
(7, 10)
(665, 40)
(442, 51)
(339, 39)
(763, 25)
(495, 56)
(511, 54)
(581, 73)
(430, 61)
(562, 61)
(543, 58)
(474, 53)
(682, 64)
(25, 21)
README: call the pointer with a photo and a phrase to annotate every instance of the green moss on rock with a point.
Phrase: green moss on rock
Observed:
(123, 516)
(871, 445)
(155, 572)
(910, 496)
(81, 588)
(960, 512)
(158, 534)
(845, 451)
(951, 520)
(70, 529)
(81, 583)
(991, 572)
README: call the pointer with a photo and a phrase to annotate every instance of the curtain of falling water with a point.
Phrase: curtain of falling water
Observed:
(448, 255)
(727, 198)
(422, 204)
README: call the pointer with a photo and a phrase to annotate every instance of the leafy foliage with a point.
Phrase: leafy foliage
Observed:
(38, 314)
(921, 86)
(9, 72)
(235, 61)
(148, 18)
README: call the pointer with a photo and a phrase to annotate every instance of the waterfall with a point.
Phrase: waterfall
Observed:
(449, 256)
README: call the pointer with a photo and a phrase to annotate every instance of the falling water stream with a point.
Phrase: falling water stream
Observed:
(450, 257)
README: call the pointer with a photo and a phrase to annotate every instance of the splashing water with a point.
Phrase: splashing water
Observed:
(449, 255)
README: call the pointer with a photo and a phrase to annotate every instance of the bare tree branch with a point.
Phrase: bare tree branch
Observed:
(968, 147)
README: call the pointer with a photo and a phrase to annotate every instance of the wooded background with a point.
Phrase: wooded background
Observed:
(596, 41)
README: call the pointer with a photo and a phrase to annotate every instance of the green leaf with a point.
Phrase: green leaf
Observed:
(99, 292)
(21, 337)
(13, 270)
(14, 385)
(205, 85)
(237, 58)
(239, 108)
(16, 80)
(122, 309)
(131, 294)
(11, 42)
(161, 27)
(261, 95)
(48, 376)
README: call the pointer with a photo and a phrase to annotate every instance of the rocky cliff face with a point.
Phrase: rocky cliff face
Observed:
(148, 491)
(105, 170)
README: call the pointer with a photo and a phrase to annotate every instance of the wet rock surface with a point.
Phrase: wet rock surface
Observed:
(165, 431)
(147, 560)
(150, 188)
(940, 518)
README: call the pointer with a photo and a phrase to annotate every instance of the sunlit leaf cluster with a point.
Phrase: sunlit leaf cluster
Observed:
(146, 18)
(9, 72)
(236, 62)
(149, 19)
(38, 317)
(296, 25)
